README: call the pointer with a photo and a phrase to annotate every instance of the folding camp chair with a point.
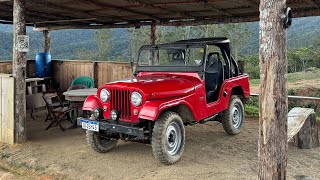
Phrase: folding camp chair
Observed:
(56, 111)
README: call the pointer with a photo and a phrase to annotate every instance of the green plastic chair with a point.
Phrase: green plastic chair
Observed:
(83, 81)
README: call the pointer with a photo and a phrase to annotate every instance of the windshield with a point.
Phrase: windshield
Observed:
(171, 56)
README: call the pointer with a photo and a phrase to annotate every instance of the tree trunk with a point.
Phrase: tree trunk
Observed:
(19, 70)
(273, 91)
(47, 41)
(307, 137)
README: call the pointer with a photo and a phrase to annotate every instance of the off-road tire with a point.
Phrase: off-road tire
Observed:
(227, 117)
(95, 142)
(159, 138)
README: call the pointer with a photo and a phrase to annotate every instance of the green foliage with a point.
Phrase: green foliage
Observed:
(102, 38)
(303, 59)
(252, 107)
(252, 66)
(291, 92)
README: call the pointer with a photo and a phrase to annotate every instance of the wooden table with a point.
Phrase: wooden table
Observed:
(79, 95)
(33, 85)
(76, 98)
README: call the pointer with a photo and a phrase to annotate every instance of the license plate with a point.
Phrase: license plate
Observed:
(90, 125)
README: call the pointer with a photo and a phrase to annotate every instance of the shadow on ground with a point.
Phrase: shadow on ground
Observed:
(209, 154)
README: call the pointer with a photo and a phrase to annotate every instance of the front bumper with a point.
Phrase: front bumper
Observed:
(116, 128)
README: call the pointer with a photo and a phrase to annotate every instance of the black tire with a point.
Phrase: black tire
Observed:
(167, 128)
(233, 117)
(98, 143)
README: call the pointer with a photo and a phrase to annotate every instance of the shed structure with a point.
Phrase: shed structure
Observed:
(46, 15)
(93, 14)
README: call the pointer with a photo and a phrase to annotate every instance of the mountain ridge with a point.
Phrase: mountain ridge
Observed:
(305, 32)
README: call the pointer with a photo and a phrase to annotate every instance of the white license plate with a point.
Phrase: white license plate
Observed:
(90, 125)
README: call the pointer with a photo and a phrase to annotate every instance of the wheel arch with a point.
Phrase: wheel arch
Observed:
(92, 102)
(237, 90)
(183, 110)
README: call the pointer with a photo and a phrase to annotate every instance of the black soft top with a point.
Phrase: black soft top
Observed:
(209, 41)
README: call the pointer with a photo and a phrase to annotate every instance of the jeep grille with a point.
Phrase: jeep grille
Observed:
(120, 101)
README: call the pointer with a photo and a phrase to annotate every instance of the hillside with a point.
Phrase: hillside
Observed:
(304, 32)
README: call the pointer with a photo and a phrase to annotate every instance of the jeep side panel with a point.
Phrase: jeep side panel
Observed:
(196, 102)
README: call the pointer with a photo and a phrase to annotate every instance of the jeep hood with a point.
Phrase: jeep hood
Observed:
(157, 86)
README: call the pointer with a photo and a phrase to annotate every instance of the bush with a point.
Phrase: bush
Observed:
(252, 107)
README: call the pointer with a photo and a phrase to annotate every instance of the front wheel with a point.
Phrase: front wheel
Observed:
(100, 143)
(168, 138)
(233, 117)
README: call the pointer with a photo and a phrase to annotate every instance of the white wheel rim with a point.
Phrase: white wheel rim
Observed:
(173, 138)
(237, 116)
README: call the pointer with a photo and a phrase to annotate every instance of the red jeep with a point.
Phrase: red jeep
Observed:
(176, 84)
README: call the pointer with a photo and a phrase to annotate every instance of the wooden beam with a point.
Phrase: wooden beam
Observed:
(192, 22)
(47, 41)
(273, 100)
(19, 70)
(179, 22)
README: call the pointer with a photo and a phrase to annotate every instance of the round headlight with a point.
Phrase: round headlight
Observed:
(136, 98)
(97, 113)
(104, 95)
(114, 115)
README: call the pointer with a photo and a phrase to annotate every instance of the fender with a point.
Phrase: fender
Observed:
(152, 109)
(92, 102)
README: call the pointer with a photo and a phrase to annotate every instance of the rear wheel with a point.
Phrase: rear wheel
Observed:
(100, 143)
(233, 117)
(168, 138)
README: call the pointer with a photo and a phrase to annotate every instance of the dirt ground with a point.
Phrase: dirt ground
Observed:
(209, 154)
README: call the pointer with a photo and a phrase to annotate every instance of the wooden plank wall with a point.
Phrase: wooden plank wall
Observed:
(112, 71)
(64, 71)
(6, 67)
(6, 108)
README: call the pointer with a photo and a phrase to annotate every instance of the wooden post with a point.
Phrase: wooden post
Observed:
(307, 137)
(47, 41)
(153, 33)
(19, 70)
(95, 73)
(153, 38)
(241, 65)
(273, 91)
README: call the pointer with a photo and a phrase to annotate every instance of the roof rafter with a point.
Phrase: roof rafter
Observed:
(138, 3)
(107, 5)
(314, 2)
(253, 3)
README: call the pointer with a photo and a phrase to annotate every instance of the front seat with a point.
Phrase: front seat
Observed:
(213, 77)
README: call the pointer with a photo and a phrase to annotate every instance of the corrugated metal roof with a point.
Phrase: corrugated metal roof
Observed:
(129, 13)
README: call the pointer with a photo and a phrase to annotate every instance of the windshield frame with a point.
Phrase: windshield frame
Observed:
(198, 68)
